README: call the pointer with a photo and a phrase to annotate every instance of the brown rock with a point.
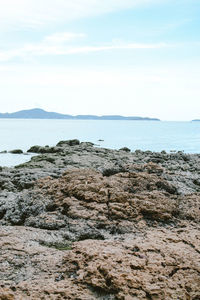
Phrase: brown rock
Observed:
(158, 264)
(135, 238)
(88, 194)
(6, 294)
(161, 265)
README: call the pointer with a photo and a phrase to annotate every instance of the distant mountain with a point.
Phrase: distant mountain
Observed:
(38, 113)
(196, 120)
(35, 113)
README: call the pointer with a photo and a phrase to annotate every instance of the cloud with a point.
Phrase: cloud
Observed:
(16, 14)
(89, 49)
(42, 50)
(58, 44)
(59, 38)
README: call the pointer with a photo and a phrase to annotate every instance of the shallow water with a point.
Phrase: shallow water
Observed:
(9, 160)
(144, 135)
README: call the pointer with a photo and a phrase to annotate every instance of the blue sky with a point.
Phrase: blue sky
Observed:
(128, 57)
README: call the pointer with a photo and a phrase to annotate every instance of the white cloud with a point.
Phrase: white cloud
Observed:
(62, 37)
(15, 14)
(56, 44)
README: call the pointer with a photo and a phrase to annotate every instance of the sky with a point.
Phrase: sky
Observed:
(124, 57)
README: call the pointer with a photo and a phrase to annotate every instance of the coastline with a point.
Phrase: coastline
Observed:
(100, 223)
(154, 136)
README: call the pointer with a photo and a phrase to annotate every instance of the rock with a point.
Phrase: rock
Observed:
(46, 149)
(16, 151)
(87, 199)
(6, 294)
(118, 197)
(69, 143)
(86, 144)
(111, 170)
(125, 149)
(139, 268)
(81, 222)
(183, 171)
(34, 149)
(160, 264)
(163, 152)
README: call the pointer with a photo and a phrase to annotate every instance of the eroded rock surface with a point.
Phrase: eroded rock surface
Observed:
(158, 264)
(79, 222)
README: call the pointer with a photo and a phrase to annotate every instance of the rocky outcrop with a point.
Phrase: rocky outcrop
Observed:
(88, 204)
(91, 223)
(16, 151)
(159, 264)
(179, 168)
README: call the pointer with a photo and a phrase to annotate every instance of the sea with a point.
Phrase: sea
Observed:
(144, 135)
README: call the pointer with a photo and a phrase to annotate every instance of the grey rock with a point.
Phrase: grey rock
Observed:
(125, 149)
(16, 151)
(37, 226)
(69, 143)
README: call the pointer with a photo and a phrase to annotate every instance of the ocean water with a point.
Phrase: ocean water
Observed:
(144, 135)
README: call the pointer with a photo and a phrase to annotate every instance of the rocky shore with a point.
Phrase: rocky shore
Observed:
(83, 222)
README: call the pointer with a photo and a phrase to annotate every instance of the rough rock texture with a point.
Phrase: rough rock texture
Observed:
(180, 168)
(80, 222)
(160, 264)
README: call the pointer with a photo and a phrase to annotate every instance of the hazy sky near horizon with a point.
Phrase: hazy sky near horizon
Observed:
(127, 57)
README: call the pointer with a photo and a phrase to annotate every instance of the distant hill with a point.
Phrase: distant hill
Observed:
(196, 120)
(38, 113)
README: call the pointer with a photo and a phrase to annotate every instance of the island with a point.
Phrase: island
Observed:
(37, 113)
